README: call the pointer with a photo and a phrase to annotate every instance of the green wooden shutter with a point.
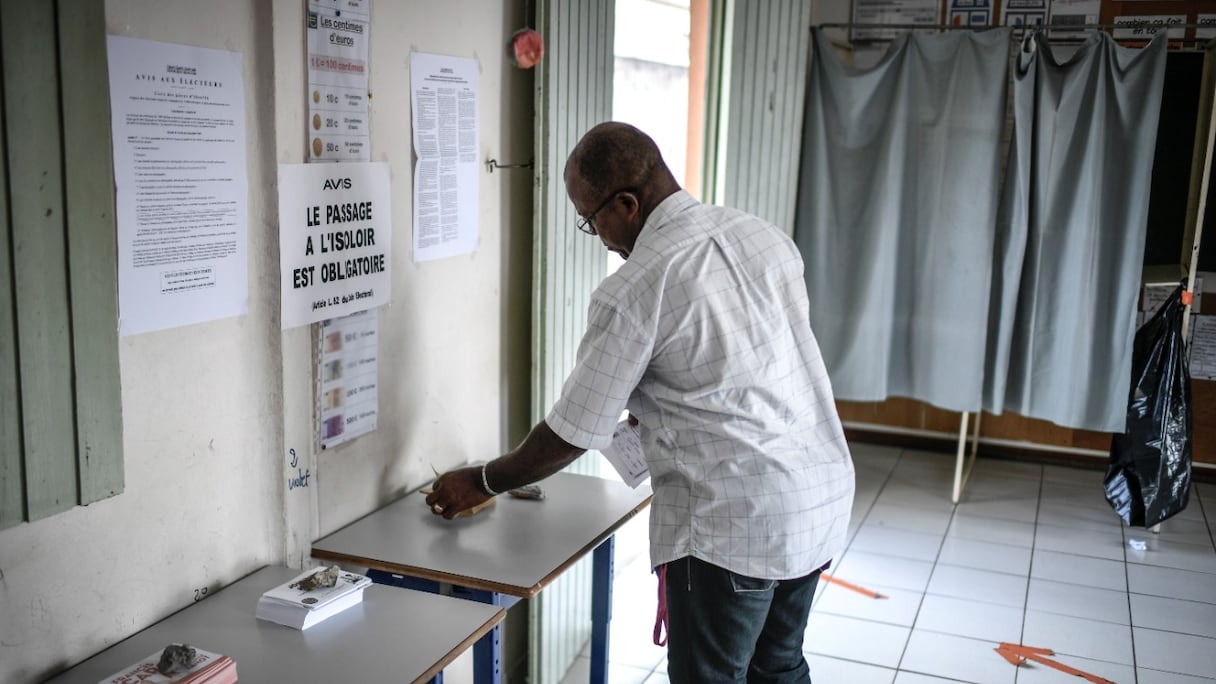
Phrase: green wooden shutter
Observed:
(35, 158)
(92, 247)
(758, 63)
(574, 92)
(12, 474)
(60, 412)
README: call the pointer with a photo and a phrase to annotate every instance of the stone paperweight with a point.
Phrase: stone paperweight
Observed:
(320, 579)
(175, 657)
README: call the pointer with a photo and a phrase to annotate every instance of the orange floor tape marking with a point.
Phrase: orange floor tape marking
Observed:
(1018, 654)
(860, 590)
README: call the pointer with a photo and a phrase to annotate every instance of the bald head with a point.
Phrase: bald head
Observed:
(614, 155)
(617, 155)
(615, 177)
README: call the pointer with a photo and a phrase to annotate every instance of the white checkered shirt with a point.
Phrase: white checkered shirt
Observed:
(703, 334)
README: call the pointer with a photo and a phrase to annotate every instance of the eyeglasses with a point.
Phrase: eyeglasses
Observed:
(587, 223)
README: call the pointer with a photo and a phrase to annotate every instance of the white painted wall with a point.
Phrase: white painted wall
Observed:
(210, 410)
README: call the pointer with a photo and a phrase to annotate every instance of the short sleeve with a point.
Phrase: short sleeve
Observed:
(612, 357)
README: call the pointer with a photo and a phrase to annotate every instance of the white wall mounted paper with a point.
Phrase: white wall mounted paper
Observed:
(1023, 12)
(178, 119)
(347, 391)
(338, 44)
(335, 240)
(924, 12)
(1202, 347)
(446, 129)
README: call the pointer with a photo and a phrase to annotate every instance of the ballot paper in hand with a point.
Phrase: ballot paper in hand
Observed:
(625, 454)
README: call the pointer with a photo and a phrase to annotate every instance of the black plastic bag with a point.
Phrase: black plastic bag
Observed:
(1149, 476)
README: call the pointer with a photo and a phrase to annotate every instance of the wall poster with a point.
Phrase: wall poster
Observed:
(446, 129)
(347, 392)
(338, 44)
(335, 240)
(178, 120)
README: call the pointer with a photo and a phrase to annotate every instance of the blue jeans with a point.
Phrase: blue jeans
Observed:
(725, 627)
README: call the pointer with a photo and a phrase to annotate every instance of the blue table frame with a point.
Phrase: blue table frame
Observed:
(510, 550)
(486, 660)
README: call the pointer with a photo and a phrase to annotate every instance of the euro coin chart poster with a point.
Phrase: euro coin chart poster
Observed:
(339, 40)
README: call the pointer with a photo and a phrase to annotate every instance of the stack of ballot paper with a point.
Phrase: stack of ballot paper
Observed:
(293, 605)
(205, 668)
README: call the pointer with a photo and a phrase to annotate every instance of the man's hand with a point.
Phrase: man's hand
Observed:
(541, 454)
(456, 491)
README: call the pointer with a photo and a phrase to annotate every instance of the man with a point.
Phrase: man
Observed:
(703, 334)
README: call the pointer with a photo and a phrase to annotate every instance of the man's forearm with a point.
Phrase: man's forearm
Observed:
(541, 454)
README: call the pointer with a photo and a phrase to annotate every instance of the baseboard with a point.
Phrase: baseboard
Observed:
(994, 448)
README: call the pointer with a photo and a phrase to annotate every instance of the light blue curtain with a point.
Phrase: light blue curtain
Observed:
(1071, 232)
(896, 214)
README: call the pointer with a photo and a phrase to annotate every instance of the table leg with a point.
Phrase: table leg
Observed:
(488, 649)
(487, 652)
(960, 454)
(601, 609)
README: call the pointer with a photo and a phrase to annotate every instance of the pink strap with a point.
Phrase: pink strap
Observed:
(660, 618)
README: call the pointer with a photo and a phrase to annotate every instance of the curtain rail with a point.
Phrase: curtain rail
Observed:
(1195, 43)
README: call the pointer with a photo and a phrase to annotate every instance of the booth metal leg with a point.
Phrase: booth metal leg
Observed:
(487, 663)
(601, 609)
(961, 473)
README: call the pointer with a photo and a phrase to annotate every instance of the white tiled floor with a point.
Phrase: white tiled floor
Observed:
(1032, 555)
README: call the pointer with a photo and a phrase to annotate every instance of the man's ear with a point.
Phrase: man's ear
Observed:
(630, 202)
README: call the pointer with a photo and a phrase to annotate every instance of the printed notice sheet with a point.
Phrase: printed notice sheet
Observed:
(969, 12)
(892, 12)
(1202, 350)
(178, 127)
(338, 43)
(1207, 26)
(1075, 13)
(347, 400)
(1155, 295)
(445, 94)
(1148, 25)
(625, 454)
(335, 240)
(1023, 12)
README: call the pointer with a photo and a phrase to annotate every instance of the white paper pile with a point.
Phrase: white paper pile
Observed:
(294, 607)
